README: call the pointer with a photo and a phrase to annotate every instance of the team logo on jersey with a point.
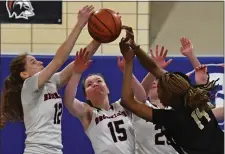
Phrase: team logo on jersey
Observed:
(216, 71)
(102, 117)
(20, 9)
(51, 96)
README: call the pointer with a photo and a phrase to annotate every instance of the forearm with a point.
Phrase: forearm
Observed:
(71, 89)
(127, 91)
(65, 49)
(148, 63)
(92, 47)
(147, 83)
(139, 91)
(128, 101)
(66, 73)
(194, 60)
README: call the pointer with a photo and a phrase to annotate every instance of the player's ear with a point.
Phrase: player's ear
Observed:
(24, 75)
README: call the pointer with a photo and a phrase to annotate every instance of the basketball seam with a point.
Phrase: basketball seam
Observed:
(112, 19)
(91, 23)
(104, 25)
(97, 37)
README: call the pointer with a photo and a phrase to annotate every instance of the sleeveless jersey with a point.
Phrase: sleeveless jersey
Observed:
(111, 132)
(42, 109)
(149, 137)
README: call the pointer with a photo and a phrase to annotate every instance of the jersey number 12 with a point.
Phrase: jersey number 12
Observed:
(115, 129)
(58, 113)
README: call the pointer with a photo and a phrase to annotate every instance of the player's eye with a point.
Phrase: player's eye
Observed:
(99, 80)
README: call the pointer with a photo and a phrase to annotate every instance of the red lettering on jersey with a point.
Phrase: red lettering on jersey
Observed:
(45, 97)
(51, 96)
(102, 117)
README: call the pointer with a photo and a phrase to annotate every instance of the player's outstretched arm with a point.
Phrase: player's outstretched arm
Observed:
(66, 73)
(147, 62)
(160, 59)
(201, 75)
(64, 50)
(77, 108)
(139, 91)
(127, 100)
(187, 50)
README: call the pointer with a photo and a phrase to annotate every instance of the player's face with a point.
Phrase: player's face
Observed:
(32, 66)
(95, 86)
(153, 94)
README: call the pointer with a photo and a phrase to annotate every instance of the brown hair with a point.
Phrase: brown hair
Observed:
(176, 85)
(11, 106)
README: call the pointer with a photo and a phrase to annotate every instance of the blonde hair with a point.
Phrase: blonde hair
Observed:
(176, 85)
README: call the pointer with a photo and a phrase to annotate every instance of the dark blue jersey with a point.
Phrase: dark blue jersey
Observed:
(195, 132)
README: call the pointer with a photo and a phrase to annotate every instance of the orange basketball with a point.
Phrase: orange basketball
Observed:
(104, 25)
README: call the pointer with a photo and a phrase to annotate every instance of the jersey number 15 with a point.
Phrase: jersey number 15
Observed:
(115, 130)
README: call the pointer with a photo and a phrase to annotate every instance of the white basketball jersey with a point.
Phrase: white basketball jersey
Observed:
(42, 116)
(149, 138)
(111, 132)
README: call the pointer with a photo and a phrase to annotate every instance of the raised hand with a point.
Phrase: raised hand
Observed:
(160, 58)
(84, 14)
(82, 61)
(125, 49)
(186, 46)
(129, 36)
(121, 63)
(201, 74)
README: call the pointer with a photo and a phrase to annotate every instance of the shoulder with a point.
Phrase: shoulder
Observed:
(117, 103)
(117, 106)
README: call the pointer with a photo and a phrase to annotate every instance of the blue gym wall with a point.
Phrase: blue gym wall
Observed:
(74, 139)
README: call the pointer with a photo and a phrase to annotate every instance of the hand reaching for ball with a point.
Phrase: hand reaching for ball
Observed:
(126, 50)
(129, 36)
(84, 14)
(82, 61)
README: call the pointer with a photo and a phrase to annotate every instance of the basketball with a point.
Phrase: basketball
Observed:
(104, 25)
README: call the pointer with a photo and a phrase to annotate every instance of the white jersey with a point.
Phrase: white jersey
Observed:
(149, 138)
(112, 132)
(42, 116)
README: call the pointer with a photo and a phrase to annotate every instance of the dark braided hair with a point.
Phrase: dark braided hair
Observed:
(175, 85)
(11, 105)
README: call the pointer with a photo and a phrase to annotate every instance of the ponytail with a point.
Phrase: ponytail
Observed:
(199, 96)
(11, 106)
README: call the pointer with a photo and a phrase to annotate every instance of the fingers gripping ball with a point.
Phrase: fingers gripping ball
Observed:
(104, 26)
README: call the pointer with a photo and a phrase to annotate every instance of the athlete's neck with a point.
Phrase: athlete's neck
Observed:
(157, 103)
(102, 103)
